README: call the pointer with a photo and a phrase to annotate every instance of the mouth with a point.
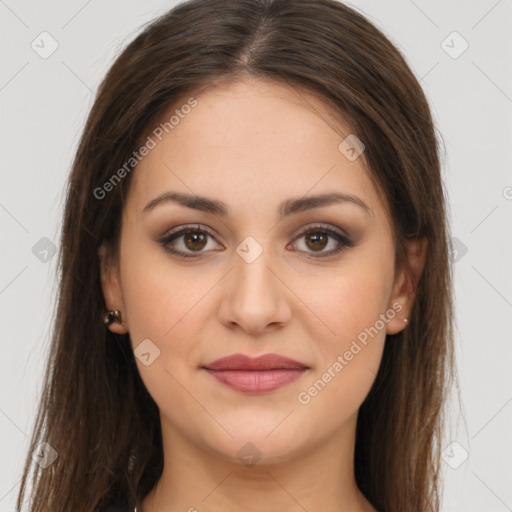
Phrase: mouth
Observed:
(255, 375)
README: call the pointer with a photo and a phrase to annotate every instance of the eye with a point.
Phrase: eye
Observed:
(189, 241)
(194, 239)
(318, 237)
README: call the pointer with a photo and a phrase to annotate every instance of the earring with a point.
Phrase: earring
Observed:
(112, 316)
(405, 320)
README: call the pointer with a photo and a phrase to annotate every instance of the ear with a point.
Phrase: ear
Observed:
(111, 287)
(405, 286)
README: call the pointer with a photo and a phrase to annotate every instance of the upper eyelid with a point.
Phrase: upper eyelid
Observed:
(180, 231)
(298, 232)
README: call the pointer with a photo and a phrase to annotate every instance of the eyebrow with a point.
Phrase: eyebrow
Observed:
(286, 208)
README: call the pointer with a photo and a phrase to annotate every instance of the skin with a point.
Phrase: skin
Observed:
(252, 144)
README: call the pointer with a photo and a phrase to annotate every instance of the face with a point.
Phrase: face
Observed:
(263, 269)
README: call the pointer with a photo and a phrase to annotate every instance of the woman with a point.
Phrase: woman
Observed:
(255, 306)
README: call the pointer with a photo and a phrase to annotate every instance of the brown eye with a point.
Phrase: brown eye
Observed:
(195, 241)
(192, 241)
(316, 240)
(188, 242)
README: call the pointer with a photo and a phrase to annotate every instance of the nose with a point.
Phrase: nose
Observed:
(255, 298)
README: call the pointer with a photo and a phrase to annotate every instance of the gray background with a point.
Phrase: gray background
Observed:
(44, 104)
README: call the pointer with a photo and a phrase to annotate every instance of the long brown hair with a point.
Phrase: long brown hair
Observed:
(95, 411)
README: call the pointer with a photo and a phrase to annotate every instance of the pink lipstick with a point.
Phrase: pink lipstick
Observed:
(255, 375)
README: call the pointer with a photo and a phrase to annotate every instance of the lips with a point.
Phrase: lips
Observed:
(264, 362)
(255, 375)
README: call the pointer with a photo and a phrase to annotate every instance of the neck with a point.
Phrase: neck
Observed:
(319, 478)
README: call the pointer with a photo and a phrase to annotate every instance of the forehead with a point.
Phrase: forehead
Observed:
(251, 144)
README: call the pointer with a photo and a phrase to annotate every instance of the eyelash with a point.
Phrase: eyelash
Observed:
(319, 228)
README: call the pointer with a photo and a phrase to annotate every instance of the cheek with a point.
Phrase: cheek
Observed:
(353, 307)
(348, 360)
(164, 303)
(160, 296)
(353, 299)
